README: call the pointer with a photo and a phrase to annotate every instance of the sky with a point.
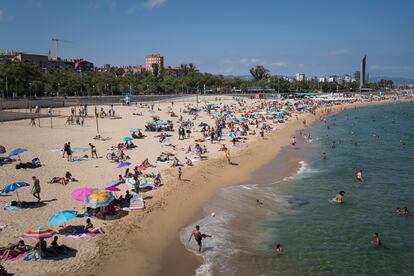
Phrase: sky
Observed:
(315, 37)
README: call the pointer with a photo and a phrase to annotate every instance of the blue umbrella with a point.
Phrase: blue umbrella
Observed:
(17, 151)
(62, 217)
(123, 164)
(126, 139)
(13, 187)
(231, 134)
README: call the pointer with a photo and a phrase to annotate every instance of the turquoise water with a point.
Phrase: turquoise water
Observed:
(319, 237)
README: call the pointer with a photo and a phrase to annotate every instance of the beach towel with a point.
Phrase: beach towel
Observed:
(135, 203)
(81, 235)
(80, 158)
(18, 257)
(164, 162)
(9, 207)
(32, 256)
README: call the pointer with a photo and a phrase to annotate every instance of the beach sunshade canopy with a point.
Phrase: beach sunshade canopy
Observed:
(99, 198)
(142, 182)
(2, 149)
(14, 186)
(134, 129)
(80, 194)
(112, 189)
(38, 233)
(126, 139)
(160, 122)
(17, 151)
(62, 217)
(231, 134)
(123, 164)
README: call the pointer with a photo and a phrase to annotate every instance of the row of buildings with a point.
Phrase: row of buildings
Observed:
(48, 63)
(361, 76)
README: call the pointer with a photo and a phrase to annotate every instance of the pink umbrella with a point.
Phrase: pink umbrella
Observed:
(112, 189)
(80, 194)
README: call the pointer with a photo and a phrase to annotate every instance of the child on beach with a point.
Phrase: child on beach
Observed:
(36, 188)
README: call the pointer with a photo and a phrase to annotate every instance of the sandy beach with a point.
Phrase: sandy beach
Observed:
(145, 240)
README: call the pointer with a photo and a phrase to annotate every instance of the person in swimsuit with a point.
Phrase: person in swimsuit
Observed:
(376, 240)
(36, 188)
(340, 197)
(359, 176)
(279, 249)
(198, 237)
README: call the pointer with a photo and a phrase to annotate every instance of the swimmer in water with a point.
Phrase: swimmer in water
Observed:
(258, 202)
(376, 240)
(279, 249)
(340, 197)
(359, 176)
(198, 237)
(324, 156)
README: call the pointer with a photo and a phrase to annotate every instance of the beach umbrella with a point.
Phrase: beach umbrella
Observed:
(62, 217)
(160, 122)
(112, 189)
(38, 233)
(17, 151)
(241, 119)
(99, 198)
(123, 164)
(2, 149)
(130, 182)
(126, 139)
(231, 134)
(80, 194)
(134, 129)
(112, 183)
(14, 187)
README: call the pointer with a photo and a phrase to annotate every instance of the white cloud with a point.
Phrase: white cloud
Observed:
(150, 4)
(300, 65)
(147, 4)
(254, 60)
(248, 60)
(244, 60)
(338, 52)
(279, 64)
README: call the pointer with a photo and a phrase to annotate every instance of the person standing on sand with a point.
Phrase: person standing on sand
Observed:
(180, 173)
(65, 146)
(93, 151)
(36, 188)
(69, 152)
(227, 155)
(198, 237)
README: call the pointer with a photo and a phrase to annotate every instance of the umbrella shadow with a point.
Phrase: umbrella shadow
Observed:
(68, 252)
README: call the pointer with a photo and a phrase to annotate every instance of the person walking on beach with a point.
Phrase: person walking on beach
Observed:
(36, 188)
(65, 148)
(198, 236)
(376, 240)
(180, 172)
(69, 152)
(93, 151)
(227, 155)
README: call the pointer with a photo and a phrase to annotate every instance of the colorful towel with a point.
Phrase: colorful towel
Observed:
(81, 235)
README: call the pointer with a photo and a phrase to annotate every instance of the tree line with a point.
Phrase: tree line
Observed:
(27, 79)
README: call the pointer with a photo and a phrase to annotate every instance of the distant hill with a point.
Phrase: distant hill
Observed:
(396, 80)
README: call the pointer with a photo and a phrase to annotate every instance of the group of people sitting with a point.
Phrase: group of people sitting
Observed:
(63, 180)
(41, 248)
(138, 135)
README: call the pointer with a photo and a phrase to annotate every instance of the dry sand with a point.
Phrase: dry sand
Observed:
(146, 241)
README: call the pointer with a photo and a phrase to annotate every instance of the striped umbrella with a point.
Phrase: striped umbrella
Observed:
(99, 198)
(38, 233)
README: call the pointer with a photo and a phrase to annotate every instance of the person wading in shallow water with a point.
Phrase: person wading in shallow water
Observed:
(198, 237)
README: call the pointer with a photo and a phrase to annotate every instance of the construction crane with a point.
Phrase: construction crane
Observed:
(57, 41)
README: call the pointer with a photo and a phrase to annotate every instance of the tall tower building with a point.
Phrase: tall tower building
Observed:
(362, 78)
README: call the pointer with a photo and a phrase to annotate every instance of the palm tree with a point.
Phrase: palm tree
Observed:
(259, 72)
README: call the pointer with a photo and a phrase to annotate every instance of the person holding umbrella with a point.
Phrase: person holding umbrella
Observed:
(36, 188)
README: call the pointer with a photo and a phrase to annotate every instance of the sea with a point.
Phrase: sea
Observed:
(319, 236)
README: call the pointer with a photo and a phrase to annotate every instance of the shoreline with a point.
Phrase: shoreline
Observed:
(156, 235)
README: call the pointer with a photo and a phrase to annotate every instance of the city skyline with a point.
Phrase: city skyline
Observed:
(283, 37)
